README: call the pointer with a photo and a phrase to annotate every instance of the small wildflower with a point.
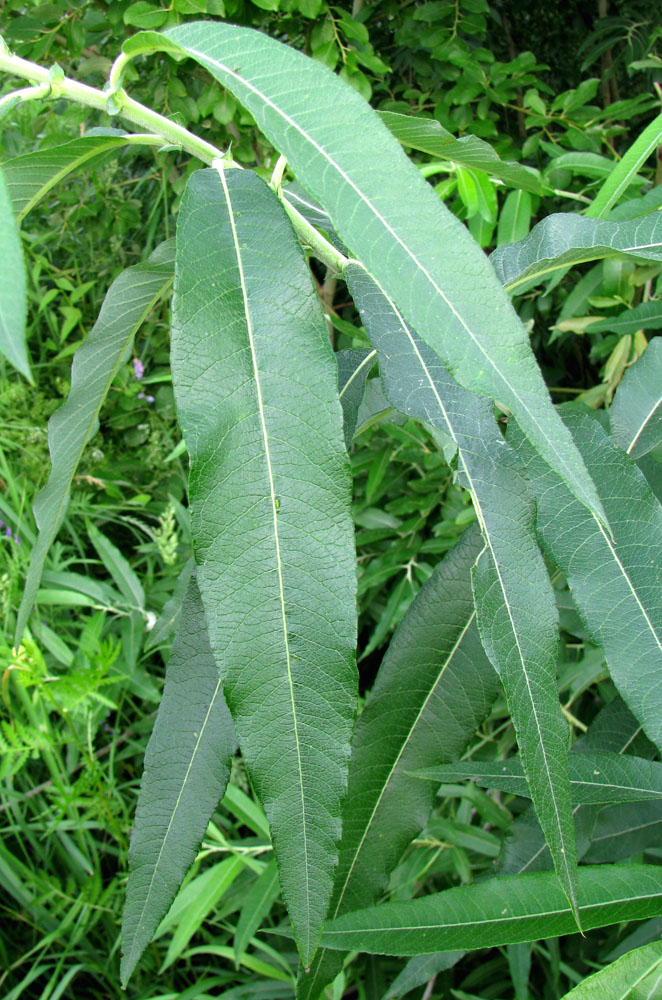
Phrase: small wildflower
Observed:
(148, 399)
(17, 539)
(8, 531)
(138, 368)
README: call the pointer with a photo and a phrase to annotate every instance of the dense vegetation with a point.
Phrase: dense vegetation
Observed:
(561, 96)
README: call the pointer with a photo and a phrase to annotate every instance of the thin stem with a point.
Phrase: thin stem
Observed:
(25, 94)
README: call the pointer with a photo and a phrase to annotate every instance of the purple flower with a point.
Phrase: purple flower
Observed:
(148, 399)
(17, 539)
(138, 368)
(8, 531)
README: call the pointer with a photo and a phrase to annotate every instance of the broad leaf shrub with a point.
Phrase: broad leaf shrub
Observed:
(264, 655)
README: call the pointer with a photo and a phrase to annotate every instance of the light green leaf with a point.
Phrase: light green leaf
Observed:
(514, 218)
(636, 413)
(128, 302)
(187, 766)
(32, 175)
(12, 288)
(432, 691)
(637, 975)
(616, 583)
(646, 316)
(515, 604)
(119, 568)
(565, 238)
(595, 778)
(256, 390)
(259, 899)
(626, 169)
(391, 219)
(427, 135)
(499, 911)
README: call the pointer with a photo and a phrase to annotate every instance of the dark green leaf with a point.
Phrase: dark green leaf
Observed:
(256, 390)
(353, 369)
(636, 414)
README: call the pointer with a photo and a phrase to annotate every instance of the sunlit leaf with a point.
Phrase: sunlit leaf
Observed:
(636, 414)
(12, 288)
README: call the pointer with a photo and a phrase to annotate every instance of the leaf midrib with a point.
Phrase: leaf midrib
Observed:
(272, 491)
(644, 424)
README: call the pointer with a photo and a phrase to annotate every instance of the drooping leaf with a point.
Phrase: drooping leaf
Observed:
(516, 610)
(392, 221)
(256, 390)
(595, 779)
(432, 691)
(12, 288)
(616, 583)
(353, 370)
(128, 302)
(499, 911)
(637, 975)
(564, 238)
(32, 175)
(187, 766)
(429, 136)
(514, 218)
(636, 413)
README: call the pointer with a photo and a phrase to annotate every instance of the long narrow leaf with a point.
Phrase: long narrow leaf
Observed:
(129, 300)
(565, 238)
(499, 911)
(595, 779)
(626, 169)
(433, 689)
(187, 766)
(636, 975)
(429, 136)
(32, 175)
(515, 603)
(392, 221)
(12, 288)
(256, 391)
(636, 414)
(616, 582)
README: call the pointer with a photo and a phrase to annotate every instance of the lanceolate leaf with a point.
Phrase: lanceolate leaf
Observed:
(565, 238)
(31, 176)
(187, 766)
(646, 316)
(128, 302)
(626, 169)
(256, 390)
(616, 583)
(515, 603)
(637, 975)
(419, 970)
(433, 689)
(624, 831)
(429, 136)
(12, 288)
(636, 414)
(392, 221)
(499, 911)
(595, 779)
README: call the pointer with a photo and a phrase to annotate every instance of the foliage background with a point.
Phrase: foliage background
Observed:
(564, 88)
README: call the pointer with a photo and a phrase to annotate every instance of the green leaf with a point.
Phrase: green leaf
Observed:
(646, 316)
(12, 289)
(637, 975)
(514, 218)
(128, 302)
(258, 902)
(256, 390)
(595, 779)
(624, 831)
(353, 369)
(433, 689)
(427, 135)
(32, 175)
(391, 219)
(517, 614)
(565, 238)
(419, 970)
(626, 169)
(636, 413)
(499, 911)
(119, 568)
(187, 766)
(616, 583)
